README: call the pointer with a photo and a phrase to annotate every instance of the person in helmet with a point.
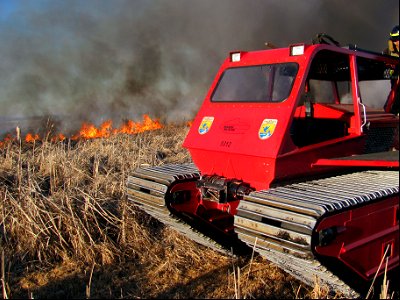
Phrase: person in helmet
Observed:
(393, 102)
(393, 42)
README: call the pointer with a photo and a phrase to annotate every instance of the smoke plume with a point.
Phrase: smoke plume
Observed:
(98, 60)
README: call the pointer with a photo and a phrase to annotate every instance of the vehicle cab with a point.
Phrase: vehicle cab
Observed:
(277, 114)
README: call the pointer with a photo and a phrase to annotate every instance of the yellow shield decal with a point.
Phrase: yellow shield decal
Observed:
(205, 125)
(267, 128)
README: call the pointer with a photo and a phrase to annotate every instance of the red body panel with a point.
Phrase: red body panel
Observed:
(231, 147)
(364, 235)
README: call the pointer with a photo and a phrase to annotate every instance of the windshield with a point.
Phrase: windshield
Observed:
(264, 83)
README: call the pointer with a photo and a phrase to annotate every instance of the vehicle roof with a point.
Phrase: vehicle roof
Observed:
(371, 65)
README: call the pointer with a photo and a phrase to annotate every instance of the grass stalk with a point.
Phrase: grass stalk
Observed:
(3, 276)
(377, 272)
(251, 261)
(89, 285)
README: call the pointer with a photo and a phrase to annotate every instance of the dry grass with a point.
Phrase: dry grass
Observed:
(67, 231)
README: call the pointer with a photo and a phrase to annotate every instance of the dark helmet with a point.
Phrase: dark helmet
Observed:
(394, 34)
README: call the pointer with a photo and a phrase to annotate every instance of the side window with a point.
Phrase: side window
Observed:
(329, 92)
(373, 81)
(322, 91)
(328, 80)
(327, 88)
(344, 92)
(374, 92)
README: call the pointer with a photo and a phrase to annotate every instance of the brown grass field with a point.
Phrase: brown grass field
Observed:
(67, 230)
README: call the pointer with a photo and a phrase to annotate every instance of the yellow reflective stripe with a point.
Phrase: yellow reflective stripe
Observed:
(394, 34)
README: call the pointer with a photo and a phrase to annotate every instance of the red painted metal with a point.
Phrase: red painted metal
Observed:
(356, 95)
(392, 96)
(362, 235)
(356, 163)
(196, 205)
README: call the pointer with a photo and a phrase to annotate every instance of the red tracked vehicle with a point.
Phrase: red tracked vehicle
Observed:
(289, 160)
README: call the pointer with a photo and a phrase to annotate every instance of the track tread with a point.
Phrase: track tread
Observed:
(296, 207)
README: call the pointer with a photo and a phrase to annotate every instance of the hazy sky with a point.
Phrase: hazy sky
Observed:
(100, 59)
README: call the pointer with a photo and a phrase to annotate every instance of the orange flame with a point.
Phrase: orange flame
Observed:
(90, 131)
(131, 127)
(6, 140)
(58, 138)
(30, 138)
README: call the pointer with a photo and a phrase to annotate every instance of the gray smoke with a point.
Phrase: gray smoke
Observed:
(120, 59)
